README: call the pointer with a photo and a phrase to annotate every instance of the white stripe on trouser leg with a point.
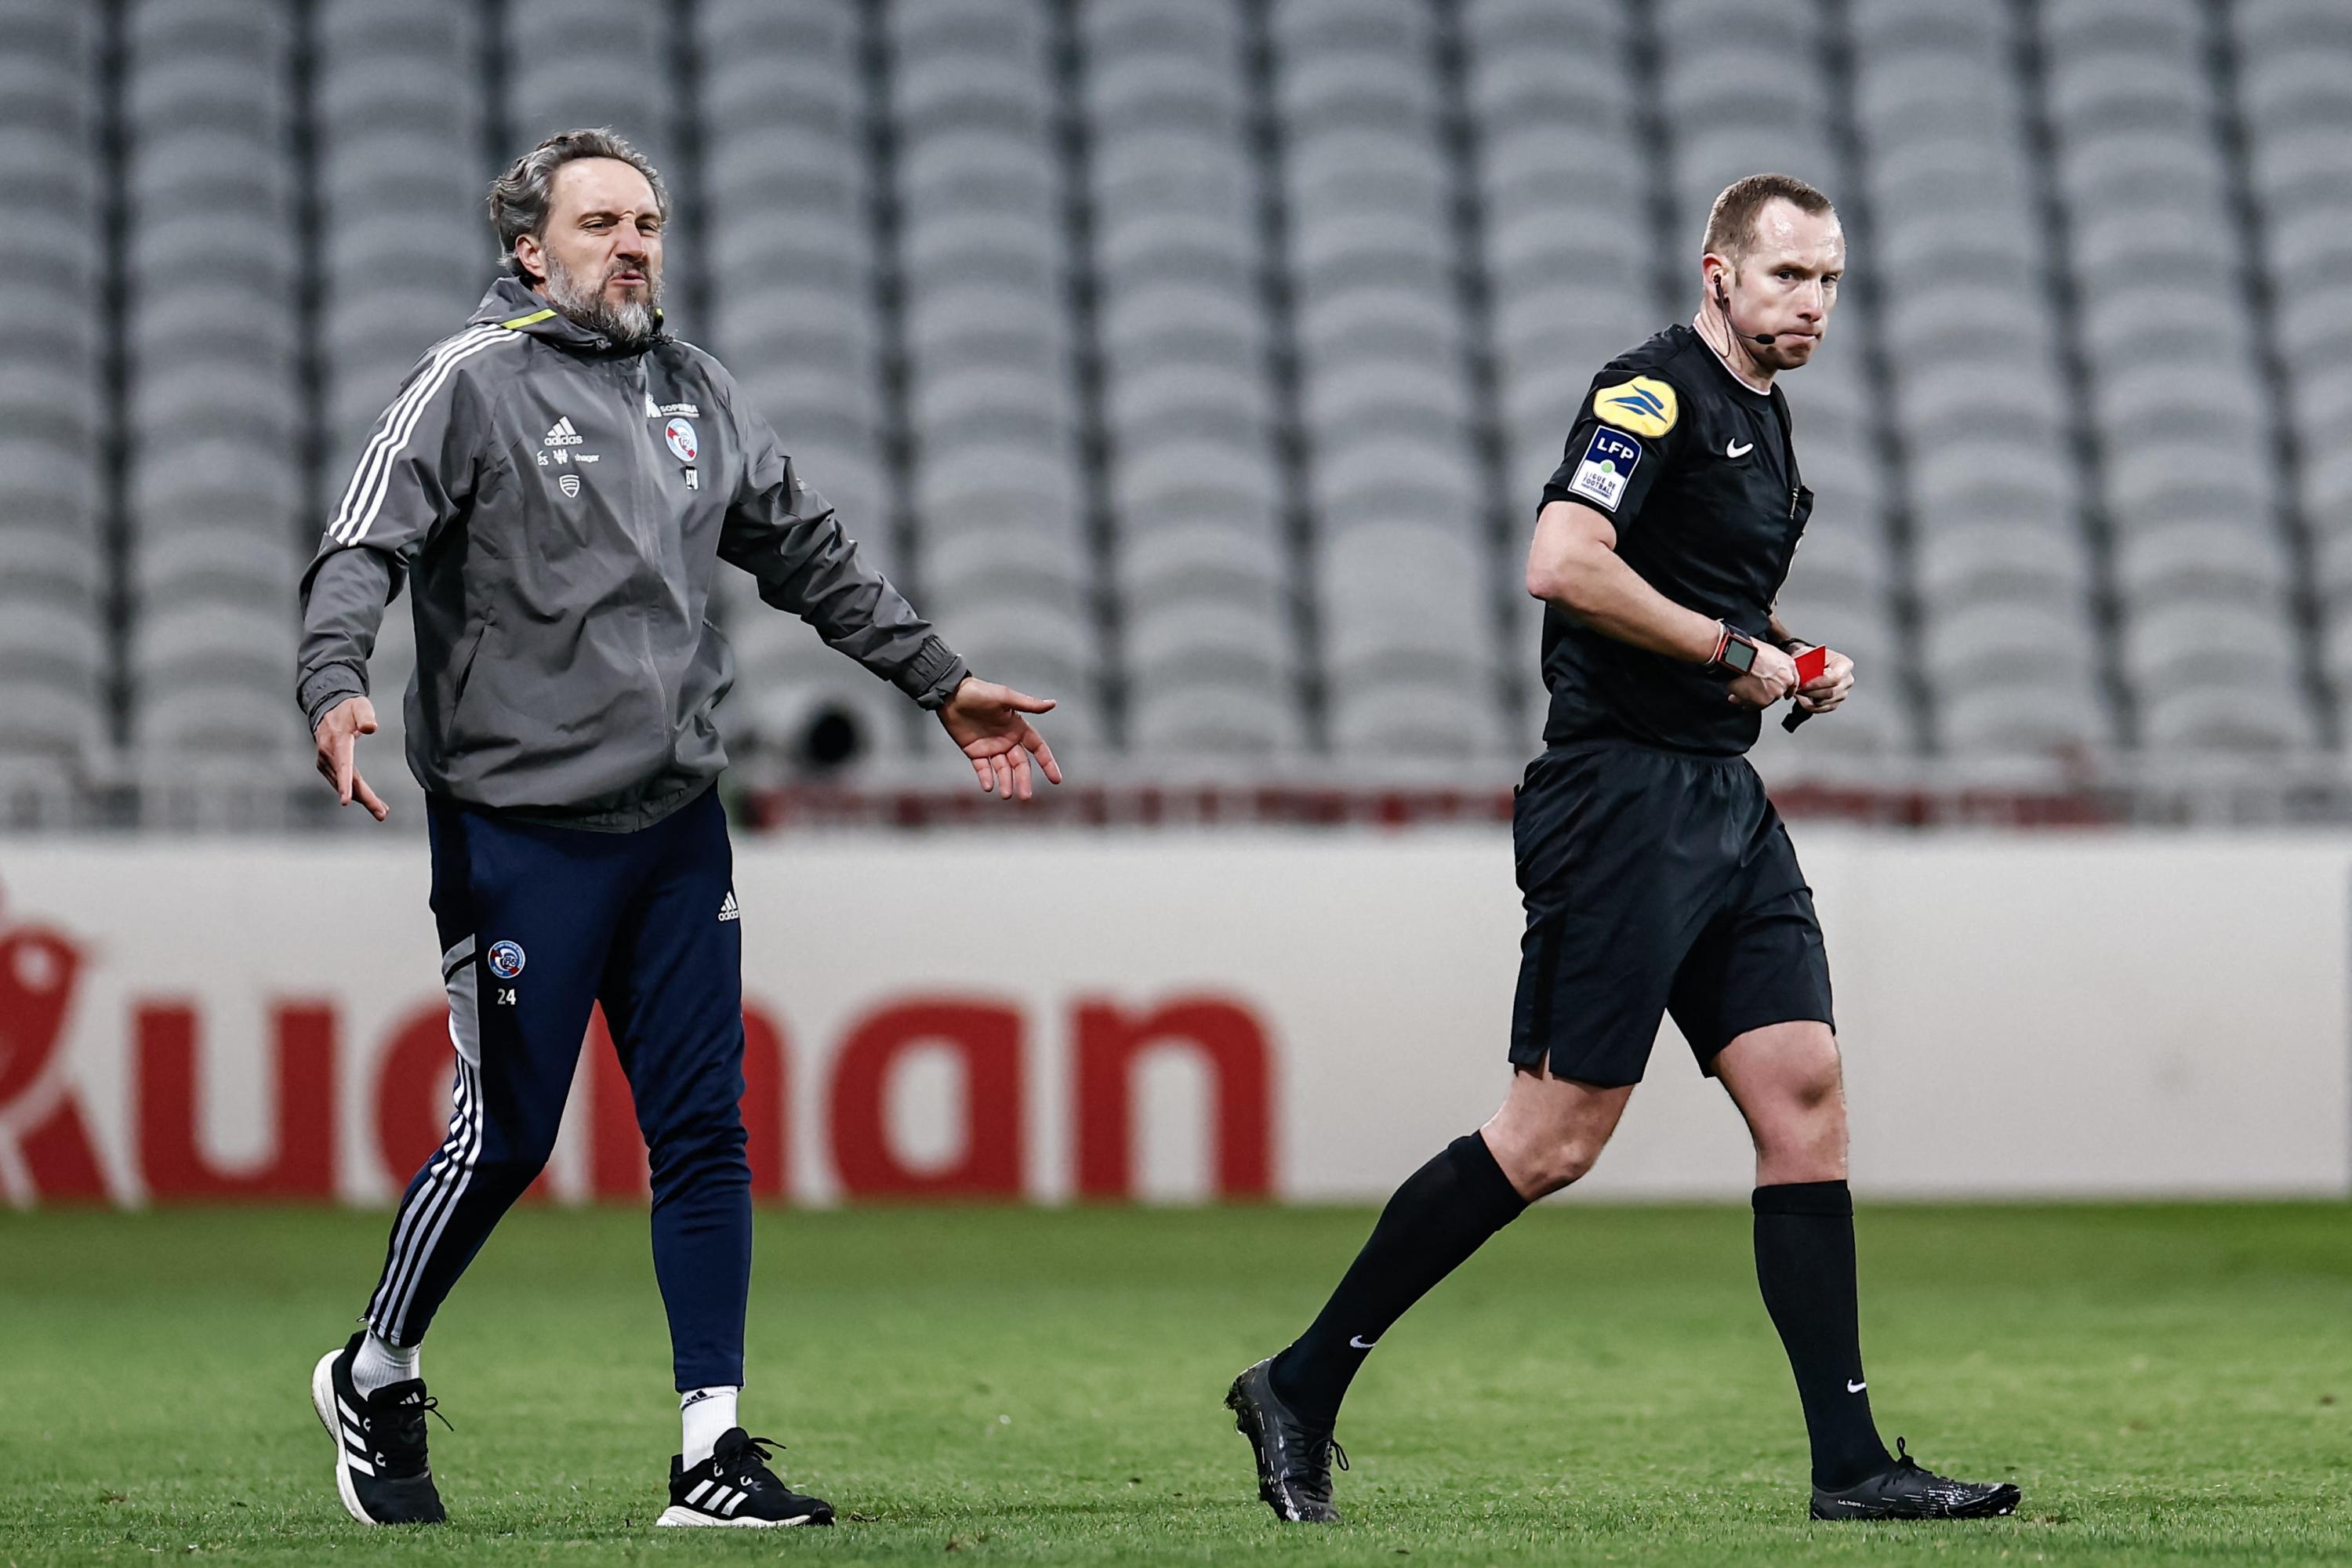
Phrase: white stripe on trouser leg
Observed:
(465, 1121)
(466, 1008)
(466, 1034)
(416, 1206)
(453, 1191)
(411, 1207)
(460, 1152)
(463, 990)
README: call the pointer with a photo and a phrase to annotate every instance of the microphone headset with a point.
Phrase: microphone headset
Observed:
(1723, 305)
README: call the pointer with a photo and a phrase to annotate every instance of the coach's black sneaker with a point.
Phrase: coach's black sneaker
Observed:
(1904, 1490)
(735, 1486)
(380, 1468)
(1294, 1454)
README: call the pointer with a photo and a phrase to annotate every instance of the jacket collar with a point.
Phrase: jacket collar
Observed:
(511, 304)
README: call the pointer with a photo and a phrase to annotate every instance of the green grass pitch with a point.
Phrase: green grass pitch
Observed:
(2169, 1385)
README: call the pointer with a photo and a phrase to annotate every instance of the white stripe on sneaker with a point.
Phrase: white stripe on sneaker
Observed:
(738, 1500)
(700, 1488)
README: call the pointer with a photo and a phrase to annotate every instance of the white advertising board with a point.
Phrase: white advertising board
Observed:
(1178, 1016)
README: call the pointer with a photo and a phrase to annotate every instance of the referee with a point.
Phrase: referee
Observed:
(557, 484)
(1657, 878)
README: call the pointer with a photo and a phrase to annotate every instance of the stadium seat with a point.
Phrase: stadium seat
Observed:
(576, 63)
(2054, 711)
(1408, 631)
(994, 414)
(2011, 677)
(1567, 244)
(1144, 336)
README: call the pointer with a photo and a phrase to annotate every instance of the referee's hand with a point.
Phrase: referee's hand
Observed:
(987, 722)
(337, 739)
(1830, 687)
(1773, 677)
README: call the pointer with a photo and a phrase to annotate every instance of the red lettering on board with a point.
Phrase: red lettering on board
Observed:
(39, 969)
(1111, 1041)
(302, 1163)
(985, 1038)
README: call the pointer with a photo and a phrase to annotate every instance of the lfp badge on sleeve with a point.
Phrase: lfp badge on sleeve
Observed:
(1609, 461)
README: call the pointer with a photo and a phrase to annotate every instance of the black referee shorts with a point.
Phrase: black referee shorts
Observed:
(1655, 882)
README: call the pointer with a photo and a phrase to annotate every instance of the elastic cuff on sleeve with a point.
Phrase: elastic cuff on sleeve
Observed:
(325, 687)
(932, 676)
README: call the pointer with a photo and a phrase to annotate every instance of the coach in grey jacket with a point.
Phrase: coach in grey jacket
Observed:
(556, 484)
(556, 492)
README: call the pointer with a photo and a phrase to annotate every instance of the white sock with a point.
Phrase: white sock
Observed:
(381, 1361)
(708, 1413)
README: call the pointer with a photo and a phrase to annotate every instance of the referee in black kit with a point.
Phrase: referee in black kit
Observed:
(1657, 877)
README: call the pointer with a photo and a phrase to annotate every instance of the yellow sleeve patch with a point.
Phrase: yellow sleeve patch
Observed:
(1643, 406)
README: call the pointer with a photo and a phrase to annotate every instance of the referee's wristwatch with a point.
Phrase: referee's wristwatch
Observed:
(1735, 653)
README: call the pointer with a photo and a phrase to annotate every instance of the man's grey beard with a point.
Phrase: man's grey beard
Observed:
(630, 326)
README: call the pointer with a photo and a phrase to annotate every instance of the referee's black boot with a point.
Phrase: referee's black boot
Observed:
(1294, 1454)
(1904, 1490)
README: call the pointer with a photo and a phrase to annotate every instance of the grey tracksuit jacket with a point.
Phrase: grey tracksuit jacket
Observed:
(558, 509)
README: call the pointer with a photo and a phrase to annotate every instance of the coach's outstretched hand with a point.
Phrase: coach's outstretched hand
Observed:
(337, 739)
(985, 719)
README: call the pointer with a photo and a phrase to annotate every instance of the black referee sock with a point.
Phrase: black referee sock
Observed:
(1804, 1262)
(1443, 1214)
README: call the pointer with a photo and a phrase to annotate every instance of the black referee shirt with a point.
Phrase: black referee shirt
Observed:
(1697, 471)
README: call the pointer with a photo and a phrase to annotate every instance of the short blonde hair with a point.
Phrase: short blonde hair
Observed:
(1731, 222)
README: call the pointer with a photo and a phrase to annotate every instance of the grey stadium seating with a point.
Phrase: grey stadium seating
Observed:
(212, 331)
(1197, 548)
(55, 657)
(1402, 585)
(1199, 362)
(788, 177)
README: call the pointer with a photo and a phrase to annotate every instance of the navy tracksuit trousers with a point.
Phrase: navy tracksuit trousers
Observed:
(537, 924)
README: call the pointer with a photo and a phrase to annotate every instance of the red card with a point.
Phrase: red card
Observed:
(1811, 664)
